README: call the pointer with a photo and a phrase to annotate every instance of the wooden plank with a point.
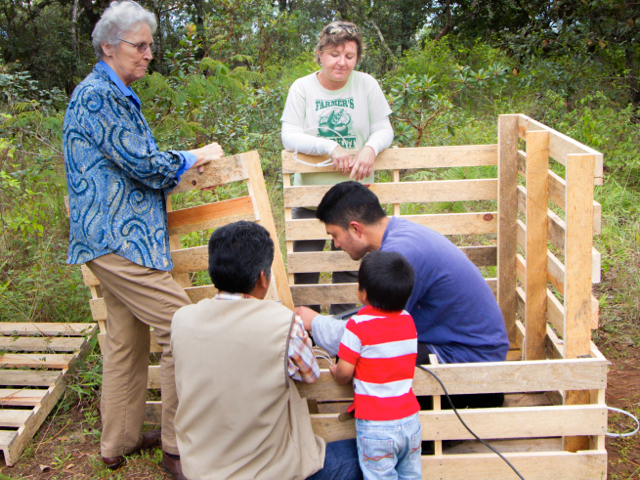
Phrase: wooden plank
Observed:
(338, 261)
(60, 361)
(175, 243)
(210, 216)
(13, 418)
(28, 378)
(503, 423)
(508, 214)
(260, 198)
(224, 170)
(489, 377)
(531, 465)
(46, 329)
(560, 146)
(404, 192)
(90, 280)
(536, 241)
(21, 397)
(40, 344)
(577, 293)
(443, 223)
(555, 268)
(189, 260)
(153, 380)
(324, 293)
(390, 159)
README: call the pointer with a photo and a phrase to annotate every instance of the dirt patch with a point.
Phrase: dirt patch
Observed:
(623, 392)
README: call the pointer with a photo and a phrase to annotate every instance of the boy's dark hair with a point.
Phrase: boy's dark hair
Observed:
(350, 201)
(238, 252)
(387, 278)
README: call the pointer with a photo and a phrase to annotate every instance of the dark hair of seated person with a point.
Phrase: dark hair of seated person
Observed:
(349, 201)
(238, 252)
(387, 278)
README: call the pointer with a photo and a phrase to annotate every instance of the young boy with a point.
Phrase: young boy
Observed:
(380, 346)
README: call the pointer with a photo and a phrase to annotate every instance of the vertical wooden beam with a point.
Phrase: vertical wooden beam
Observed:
(396, 179)
(577, 290)
(536, 261)
(437, 406)
(181, 279)
(507, 216)
(288, 216)
(260, 198)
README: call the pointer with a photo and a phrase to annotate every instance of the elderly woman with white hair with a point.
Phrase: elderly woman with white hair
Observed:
(118, 180)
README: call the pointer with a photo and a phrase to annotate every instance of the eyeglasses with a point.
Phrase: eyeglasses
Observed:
(142, 47)
(350, 29)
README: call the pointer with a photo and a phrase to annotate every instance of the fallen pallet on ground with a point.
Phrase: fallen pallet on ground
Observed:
(34, 366)
(535, 245)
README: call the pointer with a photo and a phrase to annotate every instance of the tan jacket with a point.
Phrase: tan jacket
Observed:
(239, 414)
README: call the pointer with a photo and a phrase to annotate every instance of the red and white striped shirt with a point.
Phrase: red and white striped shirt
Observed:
(383, 346)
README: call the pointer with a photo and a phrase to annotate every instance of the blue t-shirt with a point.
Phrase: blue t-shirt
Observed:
(452, 305)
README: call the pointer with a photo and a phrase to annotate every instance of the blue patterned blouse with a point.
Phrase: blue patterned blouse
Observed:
(116, 176)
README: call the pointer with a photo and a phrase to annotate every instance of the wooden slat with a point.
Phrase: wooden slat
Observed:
(531, 465)
(36, 360)
(182, 279)
(555, 268)
(577, 293)
(21, 397)
(29, 378)
(390, 159)
(188, 260)
(489, 377)
(217, 172)
(324, 293)
(508, 214)
(47, 329)
(210, 216)
(13, 418)
(404, 192)
(258, 192)
(340, 293)
(338, 261)
(536, 241)
(444, 223)
(41, 344)
(560, 146)
(505, 422)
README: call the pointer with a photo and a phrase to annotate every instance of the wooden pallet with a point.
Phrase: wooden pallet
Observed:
(243, 168)
(34, 366)
(539, 240)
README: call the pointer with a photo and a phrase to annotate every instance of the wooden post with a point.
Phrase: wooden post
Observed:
(261, 203)
(507, 216)
(577, 290)
(536, 260)
(181, 279)
(396, 206)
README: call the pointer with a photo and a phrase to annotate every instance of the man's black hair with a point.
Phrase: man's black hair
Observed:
(350, 201)
(387, 278)
(238, 252)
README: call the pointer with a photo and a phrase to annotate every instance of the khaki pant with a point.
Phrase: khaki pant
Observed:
(136, 297)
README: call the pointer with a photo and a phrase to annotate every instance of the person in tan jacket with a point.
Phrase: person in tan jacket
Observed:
(239, 413)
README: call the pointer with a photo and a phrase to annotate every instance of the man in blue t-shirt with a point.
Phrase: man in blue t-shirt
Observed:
(456, 315)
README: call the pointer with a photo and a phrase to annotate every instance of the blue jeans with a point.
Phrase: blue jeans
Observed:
(340, 462)
(390, 449)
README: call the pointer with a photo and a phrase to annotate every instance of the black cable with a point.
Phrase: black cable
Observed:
(465, 425)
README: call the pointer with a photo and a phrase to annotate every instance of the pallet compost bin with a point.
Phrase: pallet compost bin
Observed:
(536, 245)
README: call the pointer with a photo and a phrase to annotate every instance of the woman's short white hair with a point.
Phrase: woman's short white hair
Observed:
(118, 20)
